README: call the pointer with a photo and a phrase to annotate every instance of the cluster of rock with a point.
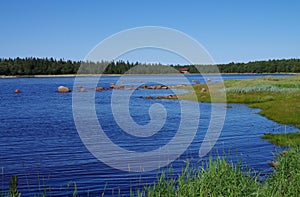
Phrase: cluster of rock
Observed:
(111, 86)
(122, 87)
(64, 89)
(117, 87)
(100, 88)
(154, 87)
(171, 96)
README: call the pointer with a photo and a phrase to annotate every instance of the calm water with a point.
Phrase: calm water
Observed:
(39, 141)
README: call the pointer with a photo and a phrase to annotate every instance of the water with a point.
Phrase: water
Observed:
(39, 141)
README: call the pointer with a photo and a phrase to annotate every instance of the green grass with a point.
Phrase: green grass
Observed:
(289, 139)
(286, 179)
(222, 178)
(284, 108)
(277, 97)
(69, 190)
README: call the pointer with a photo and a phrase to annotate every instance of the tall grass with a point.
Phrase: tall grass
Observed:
(222, 178)
(283, 139)
(286, 179)
(69, 190)
(259, 88)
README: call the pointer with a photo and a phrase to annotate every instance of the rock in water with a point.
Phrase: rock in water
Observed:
(273, 164)
(63, 89)
(83, 90)
(17, 91)
(99, 88)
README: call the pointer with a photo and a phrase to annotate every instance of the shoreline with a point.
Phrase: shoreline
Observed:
(279, 106)
(116, 75)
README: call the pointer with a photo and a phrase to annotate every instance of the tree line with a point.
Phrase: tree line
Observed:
(51, 66)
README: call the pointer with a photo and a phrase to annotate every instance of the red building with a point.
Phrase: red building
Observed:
(184, 70)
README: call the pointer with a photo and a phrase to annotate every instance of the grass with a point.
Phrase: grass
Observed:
(286, 179)
(222, 178)
(69, 190)
(277, 97)
(288, 139)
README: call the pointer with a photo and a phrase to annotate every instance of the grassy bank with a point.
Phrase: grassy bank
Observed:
(288, 139)
(277, 97)
(222, 178)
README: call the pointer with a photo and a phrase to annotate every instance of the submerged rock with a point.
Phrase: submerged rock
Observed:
(196, 81)
(144, 86)
(82, 90)
(112, 86)
(171, 96)
(99, 88)
(120, 87)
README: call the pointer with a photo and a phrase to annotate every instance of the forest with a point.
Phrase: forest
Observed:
(50, 66)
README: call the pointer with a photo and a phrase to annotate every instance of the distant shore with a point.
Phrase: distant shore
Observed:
(97, 75)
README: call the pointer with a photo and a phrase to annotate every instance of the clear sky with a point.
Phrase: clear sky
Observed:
(232, 31)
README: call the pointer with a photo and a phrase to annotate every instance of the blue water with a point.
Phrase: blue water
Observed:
(39, 141)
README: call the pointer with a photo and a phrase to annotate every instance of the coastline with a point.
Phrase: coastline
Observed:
(279, 105)
(112, 75)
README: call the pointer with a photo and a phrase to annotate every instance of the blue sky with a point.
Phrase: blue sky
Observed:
(232, 31)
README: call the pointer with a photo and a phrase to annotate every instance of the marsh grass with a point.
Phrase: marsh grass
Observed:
(277, 97)
(288, 139)
(286, 179)
(259, 88)
(222, 178)
(43, 190)
(13, 190)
